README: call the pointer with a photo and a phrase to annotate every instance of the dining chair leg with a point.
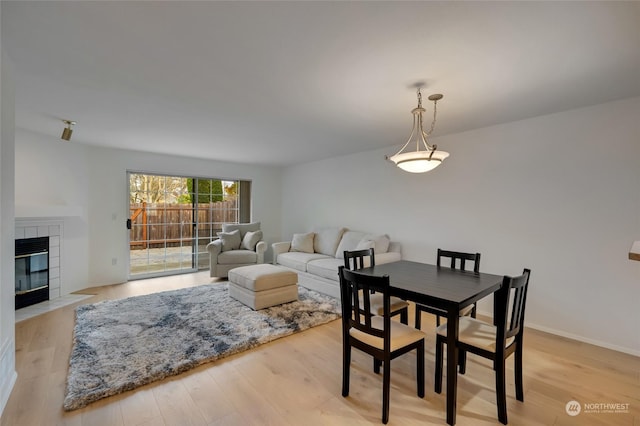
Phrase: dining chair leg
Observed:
(418, 318)
(346, 365)
(376, 365)
(437, 382)
(518, 372)
(462, 361)
(386, 384)
(501, 394)
(420, 367)
(404, 316)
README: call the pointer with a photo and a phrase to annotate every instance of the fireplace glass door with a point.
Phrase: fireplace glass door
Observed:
(31, 271)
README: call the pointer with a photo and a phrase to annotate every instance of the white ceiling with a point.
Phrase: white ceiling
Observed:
(278, 83)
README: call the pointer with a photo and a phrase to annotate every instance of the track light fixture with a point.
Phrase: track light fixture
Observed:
(66, 133)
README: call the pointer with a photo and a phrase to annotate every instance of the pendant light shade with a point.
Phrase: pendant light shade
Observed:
(425, 157)
(419, 161)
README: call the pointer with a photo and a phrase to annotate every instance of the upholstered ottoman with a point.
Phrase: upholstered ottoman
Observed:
(264, 285)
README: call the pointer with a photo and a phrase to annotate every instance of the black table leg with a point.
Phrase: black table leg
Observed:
(452, 363)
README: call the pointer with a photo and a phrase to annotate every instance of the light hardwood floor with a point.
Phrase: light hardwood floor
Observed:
(297, 381)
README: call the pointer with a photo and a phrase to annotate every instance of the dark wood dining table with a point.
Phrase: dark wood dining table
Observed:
(448, 289)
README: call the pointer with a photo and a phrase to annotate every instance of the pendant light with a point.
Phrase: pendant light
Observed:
(425, 157)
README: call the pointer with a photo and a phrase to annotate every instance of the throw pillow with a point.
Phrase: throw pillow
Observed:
(381, 242)
(230, 240)
(302, 242)
(327, 239)
(349, 242)
(365, 245)
(250, 240)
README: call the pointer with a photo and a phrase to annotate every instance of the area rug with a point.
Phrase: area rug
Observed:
(123, 344)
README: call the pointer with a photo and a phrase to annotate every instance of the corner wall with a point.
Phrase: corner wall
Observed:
(7, 248)
(559, 194)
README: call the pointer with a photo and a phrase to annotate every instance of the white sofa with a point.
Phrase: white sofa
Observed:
(317, 264)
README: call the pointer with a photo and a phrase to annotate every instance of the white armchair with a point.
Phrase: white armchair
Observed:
(239, 244)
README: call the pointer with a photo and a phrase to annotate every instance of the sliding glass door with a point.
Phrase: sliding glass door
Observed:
(173, 218)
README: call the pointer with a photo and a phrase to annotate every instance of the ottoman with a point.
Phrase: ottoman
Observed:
(264, 285)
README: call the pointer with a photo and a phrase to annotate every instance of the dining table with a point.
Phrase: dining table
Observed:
(445, 288)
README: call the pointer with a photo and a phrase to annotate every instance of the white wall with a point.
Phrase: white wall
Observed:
(108, 200)
(53, 174)
(7, 248)
(559, 194)
(92, 181)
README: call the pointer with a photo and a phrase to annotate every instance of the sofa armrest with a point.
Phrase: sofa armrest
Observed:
(392, 255)
(388, 257)
(395, 247)
(278, 248)
(261, 248)
(214, 248)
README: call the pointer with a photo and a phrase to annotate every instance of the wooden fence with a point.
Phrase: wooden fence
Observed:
(153, 225)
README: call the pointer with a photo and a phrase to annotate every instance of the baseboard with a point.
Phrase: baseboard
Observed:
(576, 337)
(8, 375)
(584, 339)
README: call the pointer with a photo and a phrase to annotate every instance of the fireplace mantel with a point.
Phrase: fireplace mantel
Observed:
(41, 211)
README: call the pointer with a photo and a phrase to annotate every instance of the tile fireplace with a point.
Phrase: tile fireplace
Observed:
(39, 229)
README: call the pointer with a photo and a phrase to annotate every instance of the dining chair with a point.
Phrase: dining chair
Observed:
(375, 335)
(355, 260)
(495, 341)
(458, 261)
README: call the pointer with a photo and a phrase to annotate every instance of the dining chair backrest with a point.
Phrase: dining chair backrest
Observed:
(355, 259)
(458, 261)
(355, 286)
(509, 305)
(358, 259)
(460, 258)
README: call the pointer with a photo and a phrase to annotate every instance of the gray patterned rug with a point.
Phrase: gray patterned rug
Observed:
(123, 344)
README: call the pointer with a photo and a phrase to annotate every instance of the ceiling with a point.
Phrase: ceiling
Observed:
(279, 83)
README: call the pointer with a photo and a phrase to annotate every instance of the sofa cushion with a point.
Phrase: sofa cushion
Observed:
(250, 240)
(230, 240)
(326, 268)
(302, 242)
(327, 239)
(298, 260)
(348, 242)
(242, 227)
(381, 242)
(233, 257)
